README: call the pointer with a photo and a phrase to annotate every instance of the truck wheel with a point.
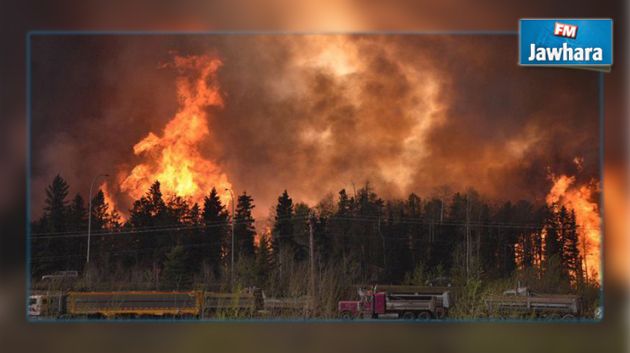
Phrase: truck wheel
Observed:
(408, 315)
(553, 316)
(346, 315)
(424, 315)
(568, 317)
(440, 313)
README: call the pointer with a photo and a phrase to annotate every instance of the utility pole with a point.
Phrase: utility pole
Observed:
(232, 252)
(383, 241)
(87, 257)
(311, 245)
(467, 236)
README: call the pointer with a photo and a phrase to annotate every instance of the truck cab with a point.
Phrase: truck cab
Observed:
(384, 305)
(46, 305)
(363, 307)
(35, 305)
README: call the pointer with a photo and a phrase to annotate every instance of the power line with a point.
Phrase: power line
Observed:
(408, 221)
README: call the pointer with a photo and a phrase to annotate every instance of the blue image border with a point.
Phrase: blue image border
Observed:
(30, 34)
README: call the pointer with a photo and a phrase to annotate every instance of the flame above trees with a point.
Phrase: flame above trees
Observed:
(174, 158)
(579, 198)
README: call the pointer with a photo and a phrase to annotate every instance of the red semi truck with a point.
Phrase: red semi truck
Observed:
(373, 304)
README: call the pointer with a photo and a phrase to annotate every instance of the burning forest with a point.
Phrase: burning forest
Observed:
(306, 165)
(174, 158)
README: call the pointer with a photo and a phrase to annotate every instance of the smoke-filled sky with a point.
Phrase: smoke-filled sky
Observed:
(316, 113)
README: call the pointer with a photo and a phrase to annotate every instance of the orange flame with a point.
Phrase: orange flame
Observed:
(109, 200)
(266, 233)
(174, 158)
(579, 199)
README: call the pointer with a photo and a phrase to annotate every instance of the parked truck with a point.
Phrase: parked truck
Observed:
(247, 303)
(522, 302)
(46, 304)
(244, 304)
(288, 306)
(147, 304)
(396, 303)
(133, 304)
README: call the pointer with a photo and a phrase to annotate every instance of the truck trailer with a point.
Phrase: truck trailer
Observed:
(134, 304)
(522, 302)
(392, 303)
(375, 304)
(147, 304)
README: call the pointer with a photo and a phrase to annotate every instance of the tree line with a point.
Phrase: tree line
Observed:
(360, 236)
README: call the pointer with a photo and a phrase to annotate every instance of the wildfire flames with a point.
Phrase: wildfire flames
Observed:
(107, 196)
(566, 193)
(174, 158)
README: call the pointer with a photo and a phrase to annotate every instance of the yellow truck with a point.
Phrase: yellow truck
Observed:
(145, 304)
(134, 304)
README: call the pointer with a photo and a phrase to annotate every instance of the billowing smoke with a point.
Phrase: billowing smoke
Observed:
(317, 113)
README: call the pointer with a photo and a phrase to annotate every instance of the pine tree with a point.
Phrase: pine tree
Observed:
(506, 239)
(523, 212)
(417, 244)
(56, 205)
(341, 224)
(176, 274)
(323, 242)
(101, 247)
(453, 235)
(100, 215)
(77, 222)
(366, 237)
(150, 211)
(215, 219)
(563, 218)
(299, 241)
(555, 265)
(572, 257)
(114, 220)
(51, 252)
(194, 215)
(433, 211)
(77, 214)
(264, 261)
(244, 229)
(191, 236)
(551, 227)
(395, 243)
(282, 233)
(177, 210)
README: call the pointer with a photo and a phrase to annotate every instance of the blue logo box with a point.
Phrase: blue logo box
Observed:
(565, 42)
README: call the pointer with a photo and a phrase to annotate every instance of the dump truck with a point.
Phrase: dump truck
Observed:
(396, 304)
(46, 304)
(243, 304)
(134, 304)
(145, 304)
(522, 302)
(288, 306)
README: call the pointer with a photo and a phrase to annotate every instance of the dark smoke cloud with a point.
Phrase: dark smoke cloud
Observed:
(408, 113)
